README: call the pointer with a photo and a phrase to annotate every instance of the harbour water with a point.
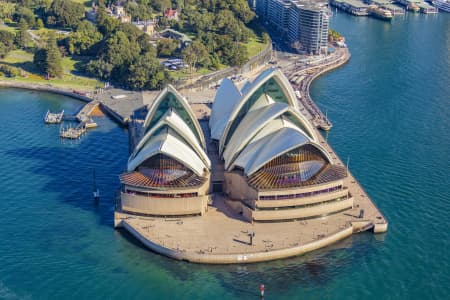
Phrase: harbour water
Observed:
(390, 107)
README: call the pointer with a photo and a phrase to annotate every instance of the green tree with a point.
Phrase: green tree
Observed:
(105, 23)
(23, 37)
(53, 58)
(100, 68)
(333, 35)
(39, 24)
(7, 39)
(7, 10)
(167, 47)
(118, 49)
(65, 13)
(240, 56)
(40, 59)
(80, 41)
(161, 5)
(195, 54)
(146, 73)
(138, 11)
(265, 37)
(26, 14)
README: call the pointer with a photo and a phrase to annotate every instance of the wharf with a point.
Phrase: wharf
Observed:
(426, 8)
(354, 7)
(418, 6)
(387, 4)
(73, 132)
(84, 119)
(394, 9)
(119, 104)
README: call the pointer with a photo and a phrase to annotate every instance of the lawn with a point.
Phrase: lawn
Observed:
(254, 46)
(7, 28)
(256, 43)
(24, 60)
(183, 74)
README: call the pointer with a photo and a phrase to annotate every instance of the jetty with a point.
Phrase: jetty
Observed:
(418, 6)
(84, 115)
(53, 118)
(84, 119)
(387, 4)
(73, 132)
(354, 7)
(362, 8)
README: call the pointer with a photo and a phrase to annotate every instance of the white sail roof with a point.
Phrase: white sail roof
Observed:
(174, 121)
(250, 126)
(170, 128)
(227, 97)
(255, 155)
(183, 109)
(284, 87)
(169, 144)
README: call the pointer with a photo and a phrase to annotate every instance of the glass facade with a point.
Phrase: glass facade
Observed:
(171, 101)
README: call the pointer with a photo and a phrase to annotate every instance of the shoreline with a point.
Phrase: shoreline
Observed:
(44, 88)
(110, 112)
(239, 258)
(301, 80)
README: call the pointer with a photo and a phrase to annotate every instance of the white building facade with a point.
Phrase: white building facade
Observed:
(304, 23)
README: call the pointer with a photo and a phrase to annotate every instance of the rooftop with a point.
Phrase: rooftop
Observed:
(310, 4)
(354, 3)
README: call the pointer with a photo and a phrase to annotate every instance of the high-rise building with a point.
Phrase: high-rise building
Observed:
(278, 14)
(308, 25)
(303, 22)
(262, 8)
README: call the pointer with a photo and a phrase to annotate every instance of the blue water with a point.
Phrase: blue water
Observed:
(390, 110)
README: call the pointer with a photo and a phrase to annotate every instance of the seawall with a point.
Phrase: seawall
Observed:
(44, 88)
(233, 258)
(65, 92)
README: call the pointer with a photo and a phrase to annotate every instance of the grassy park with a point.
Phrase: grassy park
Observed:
(71, 79)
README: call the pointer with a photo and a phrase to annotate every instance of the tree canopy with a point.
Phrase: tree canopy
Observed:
(128, 59)
(121, 53)
(48, 59)
(64, 13)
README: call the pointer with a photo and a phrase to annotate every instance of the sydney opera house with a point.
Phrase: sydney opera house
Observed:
(168, 172)
(257, 150)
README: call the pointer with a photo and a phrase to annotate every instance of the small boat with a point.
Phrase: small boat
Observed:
(379, 13)
(96, 191)
(413, 7)
(53, 118)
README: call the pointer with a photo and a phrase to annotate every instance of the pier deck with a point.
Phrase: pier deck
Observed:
(73, 132)
(118, 107)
